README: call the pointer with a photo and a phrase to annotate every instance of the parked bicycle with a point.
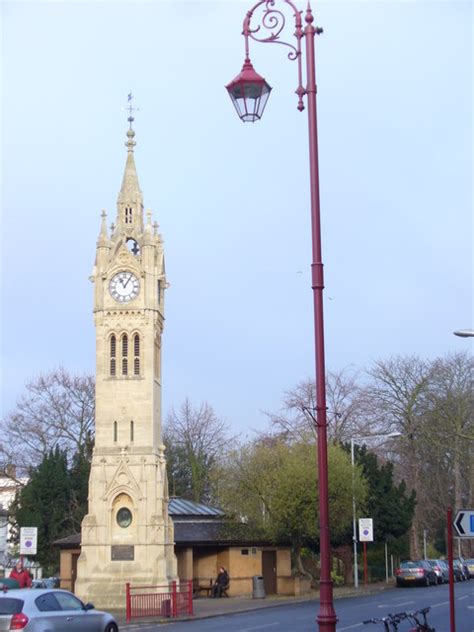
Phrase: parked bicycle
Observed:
(390, 622)
(421, 626)
(417, 617)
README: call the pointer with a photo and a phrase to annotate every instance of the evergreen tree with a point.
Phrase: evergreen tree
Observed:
(44, 502)
(79, 481)
(391, 508)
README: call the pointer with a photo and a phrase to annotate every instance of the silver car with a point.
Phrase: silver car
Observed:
(441, 569)
(51, 610)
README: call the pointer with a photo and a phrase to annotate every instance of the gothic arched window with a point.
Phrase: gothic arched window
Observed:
(113, 355)
(124, 354)
(136, 354)
(128, 215)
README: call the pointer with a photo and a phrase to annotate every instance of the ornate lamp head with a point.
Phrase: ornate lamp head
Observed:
(249, 93)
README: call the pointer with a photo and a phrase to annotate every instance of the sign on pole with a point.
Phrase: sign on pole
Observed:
(28, 540)
(366, 530)
(464, 523)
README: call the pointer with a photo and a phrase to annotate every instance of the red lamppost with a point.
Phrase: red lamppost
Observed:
(249, 93)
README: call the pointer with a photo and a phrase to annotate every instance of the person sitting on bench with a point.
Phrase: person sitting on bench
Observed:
(221, 584)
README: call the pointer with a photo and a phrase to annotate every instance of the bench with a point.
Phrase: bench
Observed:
(207, 588)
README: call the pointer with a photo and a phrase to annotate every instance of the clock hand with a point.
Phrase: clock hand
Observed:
(125, 285)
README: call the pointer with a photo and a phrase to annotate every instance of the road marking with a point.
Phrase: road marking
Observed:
(402, 603)
(260, 627)
(350, 627)
(442, 603)
(463, 597)
(398, 598)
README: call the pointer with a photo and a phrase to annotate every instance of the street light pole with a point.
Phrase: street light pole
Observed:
(354, 517)
(249, 93)
(354, 526)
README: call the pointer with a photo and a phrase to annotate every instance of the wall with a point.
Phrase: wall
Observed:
(185, 563)
(65, 567)
(242, 568)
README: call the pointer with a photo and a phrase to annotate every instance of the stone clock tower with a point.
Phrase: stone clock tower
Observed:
(127, 535)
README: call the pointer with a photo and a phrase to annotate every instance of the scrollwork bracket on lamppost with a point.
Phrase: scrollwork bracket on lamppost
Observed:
(272, 23)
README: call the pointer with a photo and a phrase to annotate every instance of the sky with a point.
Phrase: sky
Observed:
(395, 86)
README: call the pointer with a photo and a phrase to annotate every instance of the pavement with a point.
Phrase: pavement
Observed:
(205, 607)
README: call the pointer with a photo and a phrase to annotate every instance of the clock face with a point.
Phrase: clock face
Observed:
(124, 287)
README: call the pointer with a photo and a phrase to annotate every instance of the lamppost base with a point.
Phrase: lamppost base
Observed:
(326, 618)
(326, 623)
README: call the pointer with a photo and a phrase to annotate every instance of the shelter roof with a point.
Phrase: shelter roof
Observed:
(180, 507)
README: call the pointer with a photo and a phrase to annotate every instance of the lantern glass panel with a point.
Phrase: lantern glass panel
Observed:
(249, 99)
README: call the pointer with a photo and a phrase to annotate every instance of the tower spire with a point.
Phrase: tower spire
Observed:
(130, 198)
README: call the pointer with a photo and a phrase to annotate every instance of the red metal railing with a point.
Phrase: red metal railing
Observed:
(159, 601)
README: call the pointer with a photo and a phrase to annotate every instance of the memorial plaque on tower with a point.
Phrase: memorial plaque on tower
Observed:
(122, 552)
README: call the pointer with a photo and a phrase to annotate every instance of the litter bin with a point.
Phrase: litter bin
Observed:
(166, 608)
(258, 587)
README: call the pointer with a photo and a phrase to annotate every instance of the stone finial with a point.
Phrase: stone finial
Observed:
(130, 143)
(103, 236)
(161, 453)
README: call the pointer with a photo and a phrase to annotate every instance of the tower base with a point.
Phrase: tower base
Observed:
(103, 582)
(128, 536)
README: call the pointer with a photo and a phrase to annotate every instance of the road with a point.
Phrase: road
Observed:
(351, 613)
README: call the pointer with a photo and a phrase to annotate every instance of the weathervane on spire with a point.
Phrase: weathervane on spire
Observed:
(131, 109)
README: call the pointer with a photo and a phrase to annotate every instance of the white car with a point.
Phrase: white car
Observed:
(51, 610)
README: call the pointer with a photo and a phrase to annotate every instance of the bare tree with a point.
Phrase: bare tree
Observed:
(345, 408)
(450, 427)
(398, 400)
(57, 410)
(196, 440)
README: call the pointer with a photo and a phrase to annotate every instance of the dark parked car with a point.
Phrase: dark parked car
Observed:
(441, 569)
(51, 609)
(458, 571)
(415, 572)
(459, 561)
(45, 582)
(38, 583)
